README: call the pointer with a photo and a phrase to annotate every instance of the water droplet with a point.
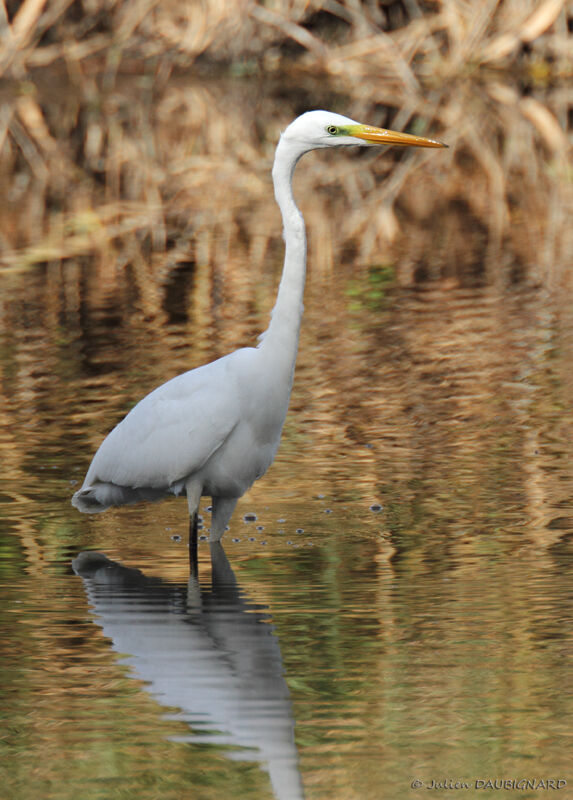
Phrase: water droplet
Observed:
(202, 538)
(235, 540)
(260, 527)
(320, 497)
(376, 507)
(281, 520)
(252, 539)
(176, 537)
(300, 530)
(249, 517)
(328, 511)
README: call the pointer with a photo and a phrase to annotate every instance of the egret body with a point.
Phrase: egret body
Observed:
(214, 430)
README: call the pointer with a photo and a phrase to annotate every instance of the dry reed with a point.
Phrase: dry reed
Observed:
(151, 168)
(342, 37)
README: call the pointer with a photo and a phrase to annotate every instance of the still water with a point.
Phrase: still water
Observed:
(392, 612)
(400, 609)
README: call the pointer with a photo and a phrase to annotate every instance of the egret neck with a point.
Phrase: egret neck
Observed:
(281, 337)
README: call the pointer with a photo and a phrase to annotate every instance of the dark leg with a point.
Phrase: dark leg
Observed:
(193, 527)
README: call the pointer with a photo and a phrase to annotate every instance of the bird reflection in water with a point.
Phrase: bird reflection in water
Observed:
(209, 652)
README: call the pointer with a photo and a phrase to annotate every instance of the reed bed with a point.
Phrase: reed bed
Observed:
(343, 37)
(142, 133)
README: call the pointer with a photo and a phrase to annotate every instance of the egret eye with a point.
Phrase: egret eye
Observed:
(332, 130)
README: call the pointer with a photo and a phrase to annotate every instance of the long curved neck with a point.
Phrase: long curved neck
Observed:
(281, 337)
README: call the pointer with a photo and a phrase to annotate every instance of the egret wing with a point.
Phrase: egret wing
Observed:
(172, 432)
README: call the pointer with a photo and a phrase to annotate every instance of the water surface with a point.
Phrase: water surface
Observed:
(400, 609)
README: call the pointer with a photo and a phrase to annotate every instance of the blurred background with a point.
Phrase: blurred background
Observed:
(427, 460)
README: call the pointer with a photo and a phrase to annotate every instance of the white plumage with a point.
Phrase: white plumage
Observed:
(215, 430)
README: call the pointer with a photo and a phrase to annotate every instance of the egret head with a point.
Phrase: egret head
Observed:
(318, 129)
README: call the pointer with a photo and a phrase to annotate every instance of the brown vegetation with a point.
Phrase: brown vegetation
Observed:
(136, 139)
(98, 145)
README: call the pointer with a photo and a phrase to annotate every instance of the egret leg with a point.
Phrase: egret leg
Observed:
(193, 558)
(223, 508)
(193, 491)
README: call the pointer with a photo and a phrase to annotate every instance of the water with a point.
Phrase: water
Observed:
(399, 611)
(345, 649)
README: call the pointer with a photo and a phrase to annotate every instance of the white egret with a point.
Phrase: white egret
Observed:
(215, 429)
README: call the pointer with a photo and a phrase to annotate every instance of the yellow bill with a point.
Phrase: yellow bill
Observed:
(382, 136)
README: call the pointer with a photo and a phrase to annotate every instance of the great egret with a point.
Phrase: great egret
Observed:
(215, 429)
